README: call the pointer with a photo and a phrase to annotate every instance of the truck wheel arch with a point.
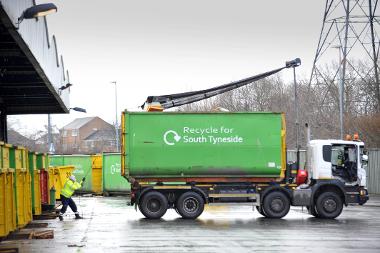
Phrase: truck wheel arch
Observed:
(193, 188)
(321, 187)
(275, 188)
(144, 191)
(201, 192)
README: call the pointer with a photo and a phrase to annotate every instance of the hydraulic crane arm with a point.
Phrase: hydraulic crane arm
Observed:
(159, 103)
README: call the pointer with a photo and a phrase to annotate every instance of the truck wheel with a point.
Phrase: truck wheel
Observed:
(190, 205)
(276, 205)
(329, 205)
(313, 211)
(153, 205)
(260, 210)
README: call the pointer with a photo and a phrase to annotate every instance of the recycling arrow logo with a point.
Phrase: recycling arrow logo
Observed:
(175, 135)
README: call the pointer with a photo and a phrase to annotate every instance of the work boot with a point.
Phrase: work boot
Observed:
(77, 216)
(60, 217)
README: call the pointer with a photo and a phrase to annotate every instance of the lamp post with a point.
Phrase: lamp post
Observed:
(293, 64)
(51, 149)
(116, 121)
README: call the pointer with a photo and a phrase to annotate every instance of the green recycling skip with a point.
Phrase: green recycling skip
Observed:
(213, 135)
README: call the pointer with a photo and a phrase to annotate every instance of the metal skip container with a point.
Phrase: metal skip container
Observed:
(35, 183)
(112, 179)
(97, 177)
(7, 192)
(203, 145)
(42, 166)
(22, 186)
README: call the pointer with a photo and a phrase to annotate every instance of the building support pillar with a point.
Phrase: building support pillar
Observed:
(3, 124)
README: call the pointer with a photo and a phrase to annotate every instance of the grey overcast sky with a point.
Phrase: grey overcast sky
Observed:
(154, 47)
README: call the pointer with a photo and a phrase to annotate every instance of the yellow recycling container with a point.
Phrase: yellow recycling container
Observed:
(37, 205)
(3, 220)
(7, 198)
(10, 201)
(4, 216)
(23, 197)
(21, 157)
(7, 203)
(5, 155)
(22, 185)
(35, 184)
(58, 177)
(42, 161)
(97, 179)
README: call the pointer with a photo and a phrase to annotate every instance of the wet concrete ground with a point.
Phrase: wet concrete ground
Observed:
(112, 226)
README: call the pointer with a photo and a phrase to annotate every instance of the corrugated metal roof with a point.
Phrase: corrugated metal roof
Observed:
(78, 123)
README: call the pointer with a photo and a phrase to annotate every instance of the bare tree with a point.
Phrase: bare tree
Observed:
(319, 110)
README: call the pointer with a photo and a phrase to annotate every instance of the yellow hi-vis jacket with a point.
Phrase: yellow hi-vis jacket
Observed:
(69, 188)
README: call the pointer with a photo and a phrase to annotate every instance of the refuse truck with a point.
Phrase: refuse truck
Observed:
(188, 160)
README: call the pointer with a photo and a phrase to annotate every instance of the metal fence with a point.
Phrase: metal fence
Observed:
(373, 168)
(373, 171)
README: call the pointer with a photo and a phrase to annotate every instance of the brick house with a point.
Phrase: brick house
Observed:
(74, 135)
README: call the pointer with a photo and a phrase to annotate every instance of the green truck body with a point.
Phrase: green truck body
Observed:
(171, 145)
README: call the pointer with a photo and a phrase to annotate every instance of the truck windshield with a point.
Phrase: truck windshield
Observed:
(344, 162)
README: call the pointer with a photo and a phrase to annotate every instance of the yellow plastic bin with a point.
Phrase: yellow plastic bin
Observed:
(97, 179)
(58, 177)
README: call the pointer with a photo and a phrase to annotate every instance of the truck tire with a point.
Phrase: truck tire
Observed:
(190, 205)
(313, 211)
(261, 211)
(153, 205)
(329, 205)
(276, 205)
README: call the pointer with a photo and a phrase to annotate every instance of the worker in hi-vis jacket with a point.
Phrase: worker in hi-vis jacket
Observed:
(67, 191)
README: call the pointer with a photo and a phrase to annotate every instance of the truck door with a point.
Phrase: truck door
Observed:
(362, 166)
(344, 161)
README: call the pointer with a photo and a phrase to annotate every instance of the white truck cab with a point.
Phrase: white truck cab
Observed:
(337, 159)
(336, 177)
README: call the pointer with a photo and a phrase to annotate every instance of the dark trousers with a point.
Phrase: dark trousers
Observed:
(68, 202)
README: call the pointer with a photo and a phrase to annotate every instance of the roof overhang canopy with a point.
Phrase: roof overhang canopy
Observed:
(31, 73)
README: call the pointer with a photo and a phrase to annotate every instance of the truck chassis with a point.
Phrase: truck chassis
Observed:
(323, 198)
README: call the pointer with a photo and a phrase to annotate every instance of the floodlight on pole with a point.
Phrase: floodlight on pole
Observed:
(66, 86)
(39, 10)
(78, 109)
